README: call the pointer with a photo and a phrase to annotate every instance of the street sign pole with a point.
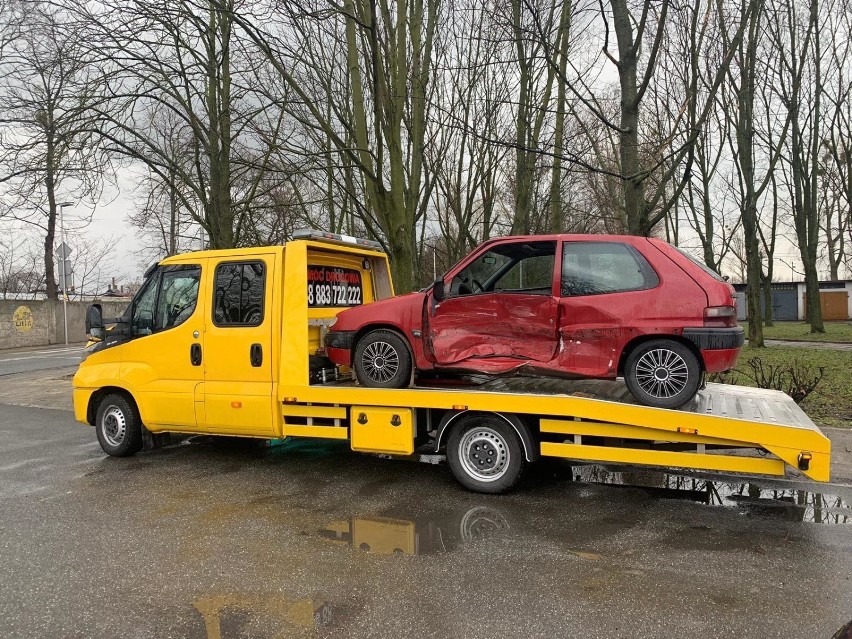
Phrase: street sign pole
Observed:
(63, 258)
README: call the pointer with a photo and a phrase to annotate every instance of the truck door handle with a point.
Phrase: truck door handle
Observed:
(195, 354)
(256, 355)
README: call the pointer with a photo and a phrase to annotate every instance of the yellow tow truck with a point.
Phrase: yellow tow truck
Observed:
(230, 342)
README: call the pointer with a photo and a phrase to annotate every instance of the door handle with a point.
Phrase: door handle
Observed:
(256, 355)
(195, 354)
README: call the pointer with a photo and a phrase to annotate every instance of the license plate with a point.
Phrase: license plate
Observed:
(333, 287)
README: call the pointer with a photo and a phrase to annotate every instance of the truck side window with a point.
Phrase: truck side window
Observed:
(594, 268)
(178, 296)
(142, 318)
(238, 294)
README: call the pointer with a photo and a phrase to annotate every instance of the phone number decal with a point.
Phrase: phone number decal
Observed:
(329, 286)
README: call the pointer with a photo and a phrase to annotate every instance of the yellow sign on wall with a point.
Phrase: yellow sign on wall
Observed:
(23, 319)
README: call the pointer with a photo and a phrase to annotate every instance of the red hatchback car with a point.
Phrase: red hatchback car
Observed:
(558, 305)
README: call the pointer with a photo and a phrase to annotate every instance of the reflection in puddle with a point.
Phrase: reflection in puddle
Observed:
(388, 536)
(231, 615)
(444, 532)
(786, 503)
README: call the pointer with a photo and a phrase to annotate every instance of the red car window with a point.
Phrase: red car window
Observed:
(594, 268)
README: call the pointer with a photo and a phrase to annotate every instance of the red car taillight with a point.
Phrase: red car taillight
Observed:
(720, 316)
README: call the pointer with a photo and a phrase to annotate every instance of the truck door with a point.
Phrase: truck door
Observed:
(237, 347)
(500, 305)
(166, 328)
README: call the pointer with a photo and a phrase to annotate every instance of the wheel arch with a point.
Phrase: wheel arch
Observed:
(531, 452)
(642, 339)
(98, 395)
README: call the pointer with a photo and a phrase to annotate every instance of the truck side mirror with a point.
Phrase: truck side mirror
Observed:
(438, 290)
(95, 322)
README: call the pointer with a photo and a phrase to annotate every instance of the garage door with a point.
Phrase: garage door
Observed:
(784, 304)
(833, 304)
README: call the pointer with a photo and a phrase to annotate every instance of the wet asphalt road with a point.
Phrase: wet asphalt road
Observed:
(216, 538)
(36, 359)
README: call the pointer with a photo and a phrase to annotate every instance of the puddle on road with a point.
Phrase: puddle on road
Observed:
(791, 504)
(235, 614)
(390, 536)
(444, 532)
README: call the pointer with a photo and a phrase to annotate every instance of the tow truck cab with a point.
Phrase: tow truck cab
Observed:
(199, 348)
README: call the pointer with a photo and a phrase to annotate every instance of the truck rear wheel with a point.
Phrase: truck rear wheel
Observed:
(118, 426)
(485, 454)
(382, 360)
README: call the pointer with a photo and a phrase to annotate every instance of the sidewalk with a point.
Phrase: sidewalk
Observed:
(40, 349)
(841, 454)
(823, 346)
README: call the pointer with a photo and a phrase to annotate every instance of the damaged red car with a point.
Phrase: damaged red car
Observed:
(594, 306)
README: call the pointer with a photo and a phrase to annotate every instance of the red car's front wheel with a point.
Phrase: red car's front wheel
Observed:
(382, 360)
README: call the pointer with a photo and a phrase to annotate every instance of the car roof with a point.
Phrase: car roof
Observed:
(570, 237)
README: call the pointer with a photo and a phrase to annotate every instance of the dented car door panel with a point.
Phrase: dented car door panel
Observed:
(499, 326)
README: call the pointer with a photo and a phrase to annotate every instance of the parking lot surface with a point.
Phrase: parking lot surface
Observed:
(227, 538)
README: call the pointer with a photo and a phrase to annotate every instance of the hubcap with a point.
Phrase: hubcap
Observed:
(114, 426)
(381, 361)
(662, 373)
(484, 454)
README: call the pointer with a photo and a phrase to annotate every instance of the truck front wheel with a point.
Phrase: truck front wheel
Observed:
(118, 426)
(485, 454)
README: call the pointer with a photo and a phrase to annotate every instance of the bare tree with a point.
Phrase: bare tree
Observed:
(177, 68)
(49, 152)
(388, 61)
(799, 45)
(643, 210)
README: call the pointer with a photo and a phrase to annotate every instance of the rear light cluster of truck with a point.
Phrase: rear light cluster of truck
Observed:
(720, 316)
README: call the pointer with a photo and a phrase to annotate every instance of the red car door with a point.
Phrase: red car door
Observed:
(604, 294)
(500, 311)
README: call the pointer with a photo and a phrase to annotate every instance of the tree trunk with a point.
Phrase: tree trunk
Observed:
(51, 288)
(632, 181)
(554, 224)
(767, 299)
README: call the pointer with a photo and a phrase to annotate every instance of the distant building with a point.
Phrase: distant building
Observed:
(789, 303)
(115, 290)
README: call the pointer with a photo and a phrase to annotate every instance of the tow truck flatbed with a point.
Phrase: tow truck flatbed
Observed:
(724, 428)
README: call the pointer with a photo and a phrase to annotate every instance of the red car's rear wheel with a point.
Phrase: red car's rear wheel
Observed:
(662, 373)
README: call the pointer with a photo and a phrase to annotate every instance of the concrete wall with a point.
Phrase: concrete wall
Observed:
(41, 322)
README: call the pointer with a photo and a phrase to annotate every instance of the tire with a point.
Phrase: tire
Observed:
(485, 454)
(662, 373)
(118, 426)
(382, 360)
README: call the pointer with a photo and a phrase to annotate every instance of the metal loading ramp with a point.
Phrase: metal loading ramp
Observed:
(724, 428)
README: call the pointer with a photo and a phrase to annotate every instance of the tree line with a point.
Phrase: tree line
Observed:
(723, 126)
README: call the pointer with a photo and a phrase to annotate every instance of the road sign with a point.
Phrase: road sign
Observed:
(63, 251)
(65, 273)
